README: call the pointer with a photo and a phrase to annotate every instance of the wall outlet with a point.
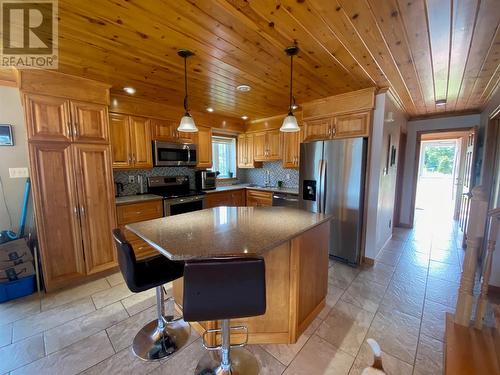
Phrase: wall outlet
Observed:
(18, 172)
(131, 179)
(288, 176)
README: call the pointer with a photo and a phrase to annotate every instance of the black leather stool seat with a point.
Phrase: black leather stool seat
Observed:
(224, 288)
(148, 273)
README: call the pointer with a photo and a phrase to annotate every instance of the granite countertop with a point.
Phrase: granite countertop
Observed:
(225, 231)
(249, 186)
(136, 198)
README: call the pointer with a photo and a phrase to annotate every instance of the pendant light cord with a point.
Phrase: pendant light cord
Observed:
(185, 86)
(291, 84)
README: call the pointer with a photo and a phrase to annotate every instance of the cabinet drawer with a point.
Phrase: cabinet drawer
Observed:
(259, 198)
(141, 249)
(230, 198)
(134, 212)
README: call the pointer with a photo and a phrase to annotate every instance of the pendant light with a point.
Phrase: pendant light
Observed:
(187, 123)
(290, 122)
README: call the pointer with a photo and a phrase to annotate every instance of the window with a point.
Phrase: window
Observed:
(224, 156)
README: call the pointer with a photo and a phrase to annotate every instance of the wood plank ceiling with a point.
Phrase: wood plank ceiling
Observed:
(422, 50)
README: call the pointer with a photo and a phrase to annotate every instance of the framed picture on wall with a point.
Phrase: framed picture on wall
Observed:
(6, 138)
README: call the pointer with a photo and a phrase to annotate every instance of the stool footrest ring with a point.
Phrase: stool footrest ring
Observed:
(219, 330)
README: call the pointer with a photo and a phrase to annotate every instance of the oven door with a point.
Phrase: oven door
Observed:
(177, 206)
(168, 154)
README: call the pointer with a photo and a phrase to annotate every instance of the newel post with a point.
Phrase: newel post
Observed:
(487, 261)
(475, 232)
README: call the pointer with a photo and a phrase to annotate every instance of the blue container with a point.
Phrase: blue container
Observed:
(17, 288)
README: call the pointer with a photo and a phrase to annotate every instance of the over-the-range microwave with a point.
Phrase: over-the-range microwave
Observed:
(169, 154)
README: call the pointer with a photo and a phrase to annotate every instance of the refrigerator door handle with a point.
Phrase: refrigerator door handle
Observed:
(319, 190)
(323, 185)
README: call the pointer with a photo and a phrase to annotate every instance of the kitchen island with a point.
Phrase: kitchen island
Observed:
(294, 244)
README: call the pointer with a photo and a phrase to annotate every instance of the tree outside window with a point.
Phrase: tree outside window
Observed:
(224, 156)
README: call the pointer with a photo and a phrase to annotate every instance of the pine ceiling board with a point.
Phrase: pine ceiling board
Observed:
(362, 20)
(484, 33)
(391, 25)
(415, 21)
(439, 18)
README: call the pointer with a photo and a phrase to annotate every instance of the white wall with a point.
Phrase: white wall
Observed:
(381, 187)
(413, 127)
(11, 112)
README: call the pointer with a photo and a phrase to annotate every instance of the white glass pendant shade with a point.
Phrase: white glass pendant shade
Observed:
(187, 124)
(290, 124)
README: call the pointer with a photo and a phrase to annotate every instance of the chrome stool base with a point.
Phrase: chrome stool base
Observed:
(152, 343)
(243, 362)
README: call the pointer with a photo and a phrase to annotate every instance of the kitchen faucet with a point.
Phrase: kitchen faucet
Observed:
(267, 180)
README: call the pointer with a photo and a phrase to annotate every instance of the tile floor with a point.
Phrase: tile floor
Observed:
(400, 302)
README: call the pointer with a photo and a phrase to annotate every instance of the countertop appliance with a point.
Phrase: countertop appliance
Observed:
(285, 199)
(178, 198)
(205, 180)
(169, 154)
(332, 179)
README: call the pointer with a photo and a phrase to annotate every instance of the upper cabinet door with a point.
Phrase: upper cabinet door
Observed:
(90, 122)
(204, 147)
(162, 130)
(140, 136)
(354, 125)
(121, 154)
(242, 151)
(57, 212)
(48, 118)
(317, 129)
(96, 205)
(291, 149)
(259, 146)
(273, 145)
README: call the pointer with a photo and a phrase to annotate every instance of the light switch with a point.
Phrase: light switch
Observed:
(18, 172)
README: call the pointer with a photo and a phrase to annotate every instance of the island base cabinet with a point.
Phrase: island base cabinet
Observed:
(296, 289)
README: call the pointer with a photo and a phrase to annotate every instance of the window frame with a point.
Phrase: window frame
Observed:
(234, 138)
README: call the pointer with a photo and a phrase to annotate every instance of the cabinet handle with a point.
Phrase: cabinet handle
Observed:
(76, 132)
(70, 129)
(333, 130)
(129, 159)
(133, 158)
(82, 210)
(329, 130)
(75, 210)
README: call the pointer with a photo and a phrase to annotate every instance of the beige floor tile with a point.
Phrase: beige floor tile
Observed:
(445, 256)
(5, 334)
(429, 356)
(341, 275)
(346, 327)
(320, 357)
(21, 353)
(125, 362)
(123, 333)
(397, 333)
(395, 245)
(51, 318)
(183, 362)
(64, 335)
(442, 291)
(138, 302)
(285, 353)
(74, 294)
(444, 271)
(111, 295)
(380, 273)
(115, 279)
(19, 309)
(389, 257)
(404, 296)
(267, 363)
(422, 245)
(364, 294)
(413, 258)
(392, 365)
(410, 273)
(433, 319)
(73, 359)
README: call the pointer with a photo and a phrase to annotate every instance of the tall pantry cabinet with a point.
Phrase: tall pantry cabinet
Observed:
(70, 162)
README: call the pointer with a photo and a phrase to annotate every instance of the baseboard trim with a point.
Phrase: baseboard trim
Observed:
(404, 225)
(368, 261)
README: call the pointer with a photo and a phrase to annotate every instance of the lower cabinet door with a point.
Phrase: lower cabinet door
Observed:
(96, 205)
(57, 213)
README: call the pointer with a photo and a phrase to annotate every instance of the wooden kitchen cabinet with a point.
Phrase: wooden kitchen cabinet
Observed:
(133, 213)
(165, 130)
(245, 151)
(204, 147)
(267, 145)
(315, 130)
(130, 142)
(338, 127)
(259, 198)
(90, 122)
(231, 198)
(291, 149)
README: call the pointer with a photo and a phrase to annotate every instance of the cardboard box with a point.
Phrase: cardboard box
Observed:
(17, 272)
(14, 252)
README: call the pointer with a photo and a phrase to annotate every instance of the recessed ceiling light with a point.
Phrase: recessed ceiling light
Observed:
(210, 109)
(441, 102)
(245, 117)
(243, 88)
(129, 90)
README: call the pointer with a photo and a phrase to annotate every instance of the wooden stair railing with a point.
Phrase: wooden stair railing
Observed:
(475, 232)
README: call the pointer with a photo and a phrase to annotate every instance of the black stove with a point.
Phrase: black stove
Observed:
(177, 196)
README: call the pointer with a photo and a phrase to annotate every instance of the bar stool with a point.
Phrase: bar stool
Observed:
(164, 335)
(223, 289)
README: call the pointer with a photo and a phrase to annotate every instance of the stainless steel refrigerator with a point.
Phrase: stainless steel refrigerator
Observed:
(332, 179)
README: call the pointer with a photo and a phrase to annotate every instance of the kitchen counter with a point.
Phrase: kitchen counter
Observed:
(293, 243)
(137, 198)
(225, 231)
(249, 186)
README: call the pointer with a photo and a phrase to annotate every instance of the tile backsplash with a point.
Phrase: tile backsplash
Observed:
(251, 176)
